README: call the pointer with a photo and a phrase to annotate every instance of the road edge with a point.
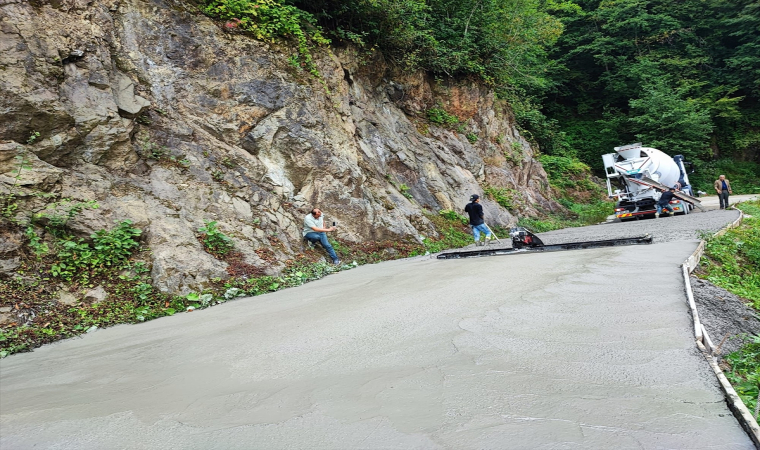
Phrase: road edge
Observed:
(706, 346)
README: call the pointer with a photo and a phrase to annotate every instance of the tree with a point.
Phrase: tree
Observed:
(667, 120)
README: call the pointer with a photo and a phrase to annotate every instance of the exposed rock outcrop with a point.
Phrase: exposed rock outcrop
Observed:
(153, 111)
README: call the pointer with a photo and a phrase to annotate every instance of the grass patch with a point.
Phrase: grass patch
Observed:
(732, 261)
(744, 371)
(550, 223)
(453, 230)
(440, 116)
(505, 197)
(592, 213)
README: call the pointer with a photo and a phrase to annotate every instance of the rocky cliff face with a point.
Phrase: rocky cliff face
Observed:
(160, 116)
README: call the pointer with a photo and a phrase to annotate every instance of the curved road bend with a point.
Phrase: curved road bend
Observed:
(570, 350)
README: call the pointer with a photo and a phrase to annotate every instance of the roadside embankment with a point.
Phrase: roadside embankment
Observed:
(739, 381)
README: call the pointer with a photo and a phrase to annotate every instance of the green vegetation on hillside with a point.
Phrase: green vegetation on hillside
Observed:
(269, 20)
(572, 184)
(582, 76)
(683, 77)
(500, 42)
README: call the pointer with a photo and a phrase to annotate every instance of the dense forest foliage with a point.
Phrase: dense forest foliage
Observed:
(583, 76)
(680, 76)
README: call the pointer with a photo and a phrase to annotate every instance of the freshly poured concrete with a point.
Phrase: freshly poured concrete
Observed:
(568, 350)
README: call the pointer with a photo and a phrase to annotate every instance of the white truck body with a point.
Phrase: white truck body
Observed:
(629, 165)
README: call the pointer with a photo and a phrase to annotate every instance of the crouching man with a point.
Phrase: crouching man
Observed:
(664, 202)
(314, 231)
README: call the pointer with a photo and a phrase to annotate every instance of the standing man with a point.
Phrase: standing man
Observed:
(723, 188)
(314, 231)
(664, 202)
(475, 210)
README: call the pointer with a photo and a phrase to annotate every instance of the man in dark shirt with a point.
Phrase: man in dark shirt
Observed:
(475, 210)
(664, 202)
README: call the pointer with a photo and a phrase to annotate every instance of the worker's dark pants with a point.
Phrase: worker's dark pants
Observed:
(723, 196)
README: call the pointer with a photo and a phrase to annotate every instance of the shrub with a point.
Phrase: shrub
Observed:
(110, 249)
(453, 216)
(439, 116)
(404, 189)
(561, 168)
(115, 246)
(270, 19)
(503, 196)
(452, 229)
(214, 240)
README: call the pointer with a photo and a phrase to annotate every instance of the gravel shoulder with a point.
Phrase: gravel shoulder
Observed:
(724, 315)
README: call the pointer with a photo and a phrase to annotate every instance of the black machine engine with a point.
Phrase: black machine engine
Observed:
(523, 238)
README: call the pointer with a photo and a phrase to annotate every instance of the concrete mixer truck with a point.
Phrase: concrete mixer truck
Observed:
(637, 176)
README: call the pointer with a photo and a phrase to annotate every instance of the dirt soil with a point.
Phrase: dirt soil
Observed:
(724, 314)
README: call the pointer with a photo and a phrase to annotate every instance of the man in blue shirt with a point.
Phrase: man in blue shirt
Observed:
(475, 210)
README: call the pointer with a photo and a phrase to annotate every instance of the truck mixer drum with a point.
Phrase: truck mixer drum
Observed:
(637, 176)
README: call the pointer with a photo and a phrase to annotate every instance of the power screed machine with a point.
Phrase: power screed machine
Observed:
(524, 241)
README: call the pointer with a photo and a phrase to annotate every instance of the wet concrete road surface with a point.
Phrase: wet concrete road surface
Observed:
(569, 350)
